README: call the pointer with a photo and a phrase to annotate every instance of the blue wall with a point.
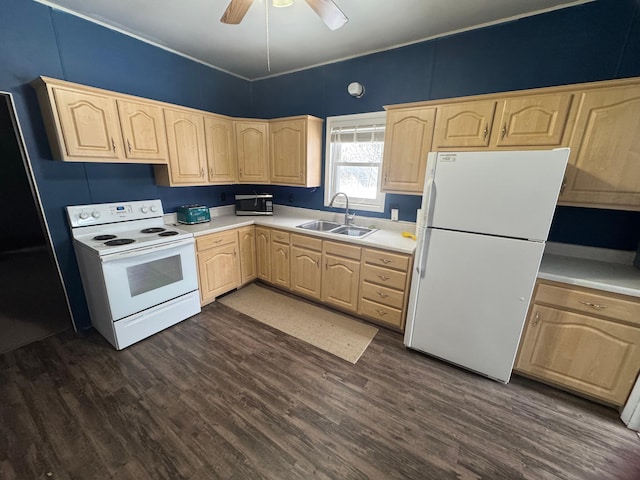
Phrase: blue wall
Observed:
(595, 41)
(36, 40)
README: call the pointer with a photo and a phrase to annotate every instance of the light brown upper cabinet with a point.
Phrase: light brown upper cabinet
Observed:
(221, 149)
(524, 121)
(253, 150)
(86, 124)
(465, 124)
(604, 165)
(187, 150)
(532, 120)
(143, 130)
(295, 146)
(82, 125)
(407, 141)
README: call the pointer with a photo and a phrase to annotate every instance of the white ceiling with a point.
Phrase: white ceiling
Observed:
(298, 39)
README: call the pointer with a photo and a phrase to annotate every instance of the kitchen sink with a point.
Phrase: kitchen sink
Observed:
(353, 231)
(320, 225)
(337, 228)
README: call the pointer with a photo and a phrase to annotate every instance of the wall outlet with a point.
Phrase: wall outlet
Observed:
(394, 214)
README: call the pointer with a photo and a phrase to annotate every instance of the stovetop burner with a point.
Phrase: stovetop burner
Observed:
(119, 241)
(153, 230)
(103, 237)
(168, 234)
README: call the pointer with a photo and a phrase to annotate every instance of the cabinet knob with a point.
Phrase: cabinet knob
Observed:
(113, 144)
(485, 132)
(235, 254)
(129, 145)
(536, 319)
(202, 172)
(504, 131)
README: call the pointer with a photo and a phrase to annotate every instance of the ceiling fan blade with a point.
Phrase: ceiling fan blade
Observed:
(329, 12)
(236, 11)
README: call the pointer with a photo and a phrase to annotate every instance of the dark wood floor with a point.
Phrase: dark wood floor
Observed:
(223, 396)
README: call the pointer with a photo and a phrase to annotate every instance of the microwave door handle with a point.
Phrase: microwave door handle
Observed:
(146, 250)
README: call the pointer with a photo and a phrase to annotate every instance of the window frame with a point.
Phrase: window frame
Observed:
(330, 165)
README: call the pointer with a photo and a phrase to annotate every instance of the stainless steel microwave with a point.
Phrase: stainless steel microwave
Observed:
(256, 204)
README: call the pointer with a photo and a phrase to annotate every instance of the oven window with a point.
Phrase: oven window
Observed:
(149, 276)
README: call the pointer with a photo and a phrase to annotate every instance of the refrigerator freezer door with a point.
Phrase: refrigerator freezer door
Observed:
(470, 304)
(510, 194)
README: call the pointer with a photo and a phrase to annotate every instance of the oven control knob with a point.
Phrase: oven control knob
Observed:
(144, 209)
(95, 214)
(154, 208)
(84, 215)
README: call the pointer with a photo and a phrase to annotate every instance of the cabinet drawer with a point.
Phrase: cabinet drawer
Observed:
(590, 301)
(381, 313)
(342, 250)
(386, 259)
(384, 276)
(306, 241)
(383, 295)
(279, 236)
(216, 240)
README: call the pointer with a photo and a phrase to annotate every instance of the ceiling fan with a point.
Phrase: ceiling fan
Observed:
(327, 10)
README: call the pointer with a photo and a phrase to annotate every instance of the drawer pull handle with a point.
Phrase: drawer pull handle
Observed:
(385, 260)
(383, 278)
(382, 313)
(382, 294)
(593, 305)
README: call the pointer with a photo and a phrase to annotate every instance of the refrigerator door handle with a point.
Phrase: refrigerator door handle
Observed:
(421, 264)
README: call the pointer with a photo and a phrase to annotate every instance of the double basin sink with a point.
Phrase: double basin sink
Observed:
(337, 228)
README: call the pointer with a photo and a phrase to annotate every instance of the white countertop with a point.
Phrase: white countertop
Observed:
(602, 269)
(388, 236)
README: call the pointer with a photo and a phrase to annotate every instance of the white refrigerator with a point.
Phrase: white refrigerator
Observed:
(481, 233)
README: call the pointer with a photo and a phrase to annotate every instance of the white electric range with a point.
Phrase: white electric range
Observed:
(139, 275)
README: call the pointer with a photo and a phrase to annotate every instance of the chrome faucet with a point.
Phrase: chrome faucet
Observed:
(347, 218)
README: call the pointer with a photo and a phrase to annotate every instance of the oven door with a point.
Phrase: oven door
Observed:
(139, 279)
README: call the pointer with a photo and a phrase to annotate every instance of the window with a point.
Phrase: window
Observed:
(354, 160)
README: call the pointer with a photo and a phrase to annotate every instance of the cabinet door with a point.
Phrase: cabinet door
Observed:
(187, 151)
(253, 152)
(263, 253)
(143, 130)
(247, 239)
(288, 151)
(306, 274)
(463, 125)
(341, 275)
(221, 150)
(219, 271)
(407, 142)
(280, 264)
(594, 356)
(536, 120)
(89, 124)
(604, 165)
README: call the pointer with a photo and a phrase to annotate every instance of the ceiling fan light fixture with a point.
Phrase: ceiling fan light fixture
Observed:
(281, 3)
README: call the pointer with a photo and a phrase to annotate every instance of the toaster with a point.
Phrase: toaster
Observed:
(190, 214)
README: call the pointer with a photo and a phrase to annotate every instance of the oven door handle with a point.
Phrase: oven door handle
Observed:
(142, 251)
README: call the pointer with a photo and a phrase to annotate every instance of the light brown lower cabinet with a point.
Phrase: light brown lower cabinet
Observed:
(385, 285)
(247, 244)
(584, 340)
(263, 253)
(341, 276)
(218, 264)
(306, 265)
(280, 275)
